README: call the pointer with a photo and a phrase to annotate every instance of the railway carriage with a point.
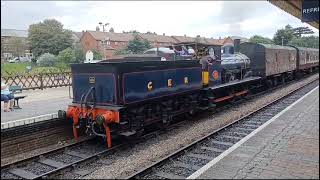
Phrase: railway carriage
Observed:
(275, 64)
(307, 59)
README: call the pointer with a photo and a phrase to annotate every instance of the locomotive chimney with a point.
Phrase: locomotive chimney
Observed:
(236, 43)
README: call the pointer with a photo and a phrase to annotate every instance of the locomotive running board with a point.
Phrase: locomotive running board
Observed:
(234, 83)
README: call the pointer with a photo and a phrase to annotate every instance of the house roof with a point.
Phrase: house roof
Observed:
(98, 35)
(184, 39)
(14, 33)
(215, 41)
(78, 34)
(157, 38)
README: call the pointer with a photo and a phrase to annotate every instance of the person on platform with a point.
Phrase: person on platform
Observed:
(6, 97)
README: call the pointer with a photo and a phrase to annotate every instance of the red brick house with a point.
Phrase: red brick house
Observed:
(108, 42)
(105, 42)
(158, 40)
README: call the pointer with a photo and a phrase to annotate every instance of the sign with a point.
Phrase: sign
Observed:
(310, 10)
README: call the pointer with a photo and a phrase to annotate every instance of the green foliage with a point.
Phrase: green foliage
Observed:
(20, 68)
(79, 52)
(297, 32)
(137, 45)
(47, 60)
(292, 36)
(123, 51)
(307, 41)
(97, 55)
(260, 39)
(285, 34)
(49, 37)
(71, 55)
(67, 56)
(13, 67)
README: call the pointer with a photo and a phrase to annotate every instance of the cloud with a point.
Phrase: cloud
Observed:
(204, 18)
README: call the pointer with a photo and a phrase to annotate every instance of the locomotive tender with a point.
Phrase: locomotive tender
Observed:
(126, 96)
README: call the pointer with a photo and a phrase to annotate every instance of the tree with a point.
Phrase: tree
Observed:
(79, 52)
(67, 56)
(49, 36)
(111, 30)
(283, 36)
(260, 39)
(47, 60)
(301, 30)
(307, 41)
(96, 55)
(137, 45)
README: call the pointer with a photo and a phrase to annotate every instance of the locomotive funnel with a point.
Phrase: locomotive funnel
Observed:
(236, 43)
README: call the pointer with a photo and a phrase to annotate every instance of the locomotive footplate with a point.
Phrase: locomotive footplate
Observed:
(234, 83)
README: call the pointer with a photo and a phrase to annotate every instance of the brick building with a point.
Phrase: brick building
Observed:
(158, 40)
(108, 42)
(14, 43)
(105, 42)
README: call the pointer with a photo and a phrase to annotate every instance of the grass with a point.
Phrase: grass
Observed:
(20, 68)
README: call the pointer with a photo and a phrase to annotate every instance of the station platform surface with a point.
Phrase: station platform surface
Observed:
(287, 147)
(38, 103)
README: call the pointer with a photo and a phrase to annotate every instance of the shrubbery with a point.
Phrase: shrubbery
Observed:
(47, 60)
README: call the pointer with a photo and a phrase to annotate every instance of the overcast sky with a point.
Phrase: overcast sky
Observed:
(205, 18)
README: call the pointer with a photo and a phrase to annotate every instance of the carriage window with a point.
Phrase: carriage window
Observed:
(308, 57)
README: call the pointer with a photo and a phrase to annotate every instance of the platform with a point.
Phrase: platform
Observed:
(287, 146)
(39, 105)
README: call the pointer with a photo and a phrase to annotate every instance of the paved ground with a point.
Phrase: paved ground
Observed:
(287, 148)
(38, 102)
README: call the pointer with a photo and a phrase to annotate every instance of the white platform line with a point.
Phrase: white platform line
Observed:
(235, 146)
(30, 120)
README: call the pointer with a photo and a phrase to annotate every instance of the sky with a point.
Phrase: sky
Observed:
(205, 18)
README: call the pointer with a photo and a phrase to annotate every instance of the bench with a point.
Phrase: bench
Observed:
(16, 90)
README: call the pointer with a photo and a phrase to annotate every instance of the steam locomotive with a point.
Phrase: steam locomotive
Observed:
(126, 96)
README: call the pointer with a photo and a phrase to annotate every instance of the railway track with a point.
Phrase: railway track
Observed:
(51, 163)
(26, 138)
(187, 160)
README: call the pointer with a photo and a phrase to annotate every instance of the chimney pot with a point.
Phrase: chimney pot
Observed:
(236, 43)
(164, 34)
(185, 35)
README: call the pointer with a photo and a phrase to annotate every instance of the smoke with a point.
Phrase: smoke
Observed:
(235, 12)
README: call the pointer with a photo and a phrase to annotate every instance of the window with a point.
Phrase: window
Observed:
(116, 43)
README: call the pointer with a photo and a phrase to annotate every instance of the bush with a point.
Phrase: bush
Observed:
(46, 60)
(121, 52)
(67, 56)
(96, 55)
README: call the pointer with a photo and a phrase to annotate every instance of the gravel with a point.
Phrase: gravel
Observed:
(38, 169)
(128, 161)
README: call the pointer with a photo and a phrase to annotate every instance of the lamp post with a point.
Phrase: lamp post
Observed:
(103, 25)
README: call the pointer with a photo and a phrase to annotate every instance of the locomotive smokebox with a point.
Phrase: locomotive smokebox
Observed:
(236, 43)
